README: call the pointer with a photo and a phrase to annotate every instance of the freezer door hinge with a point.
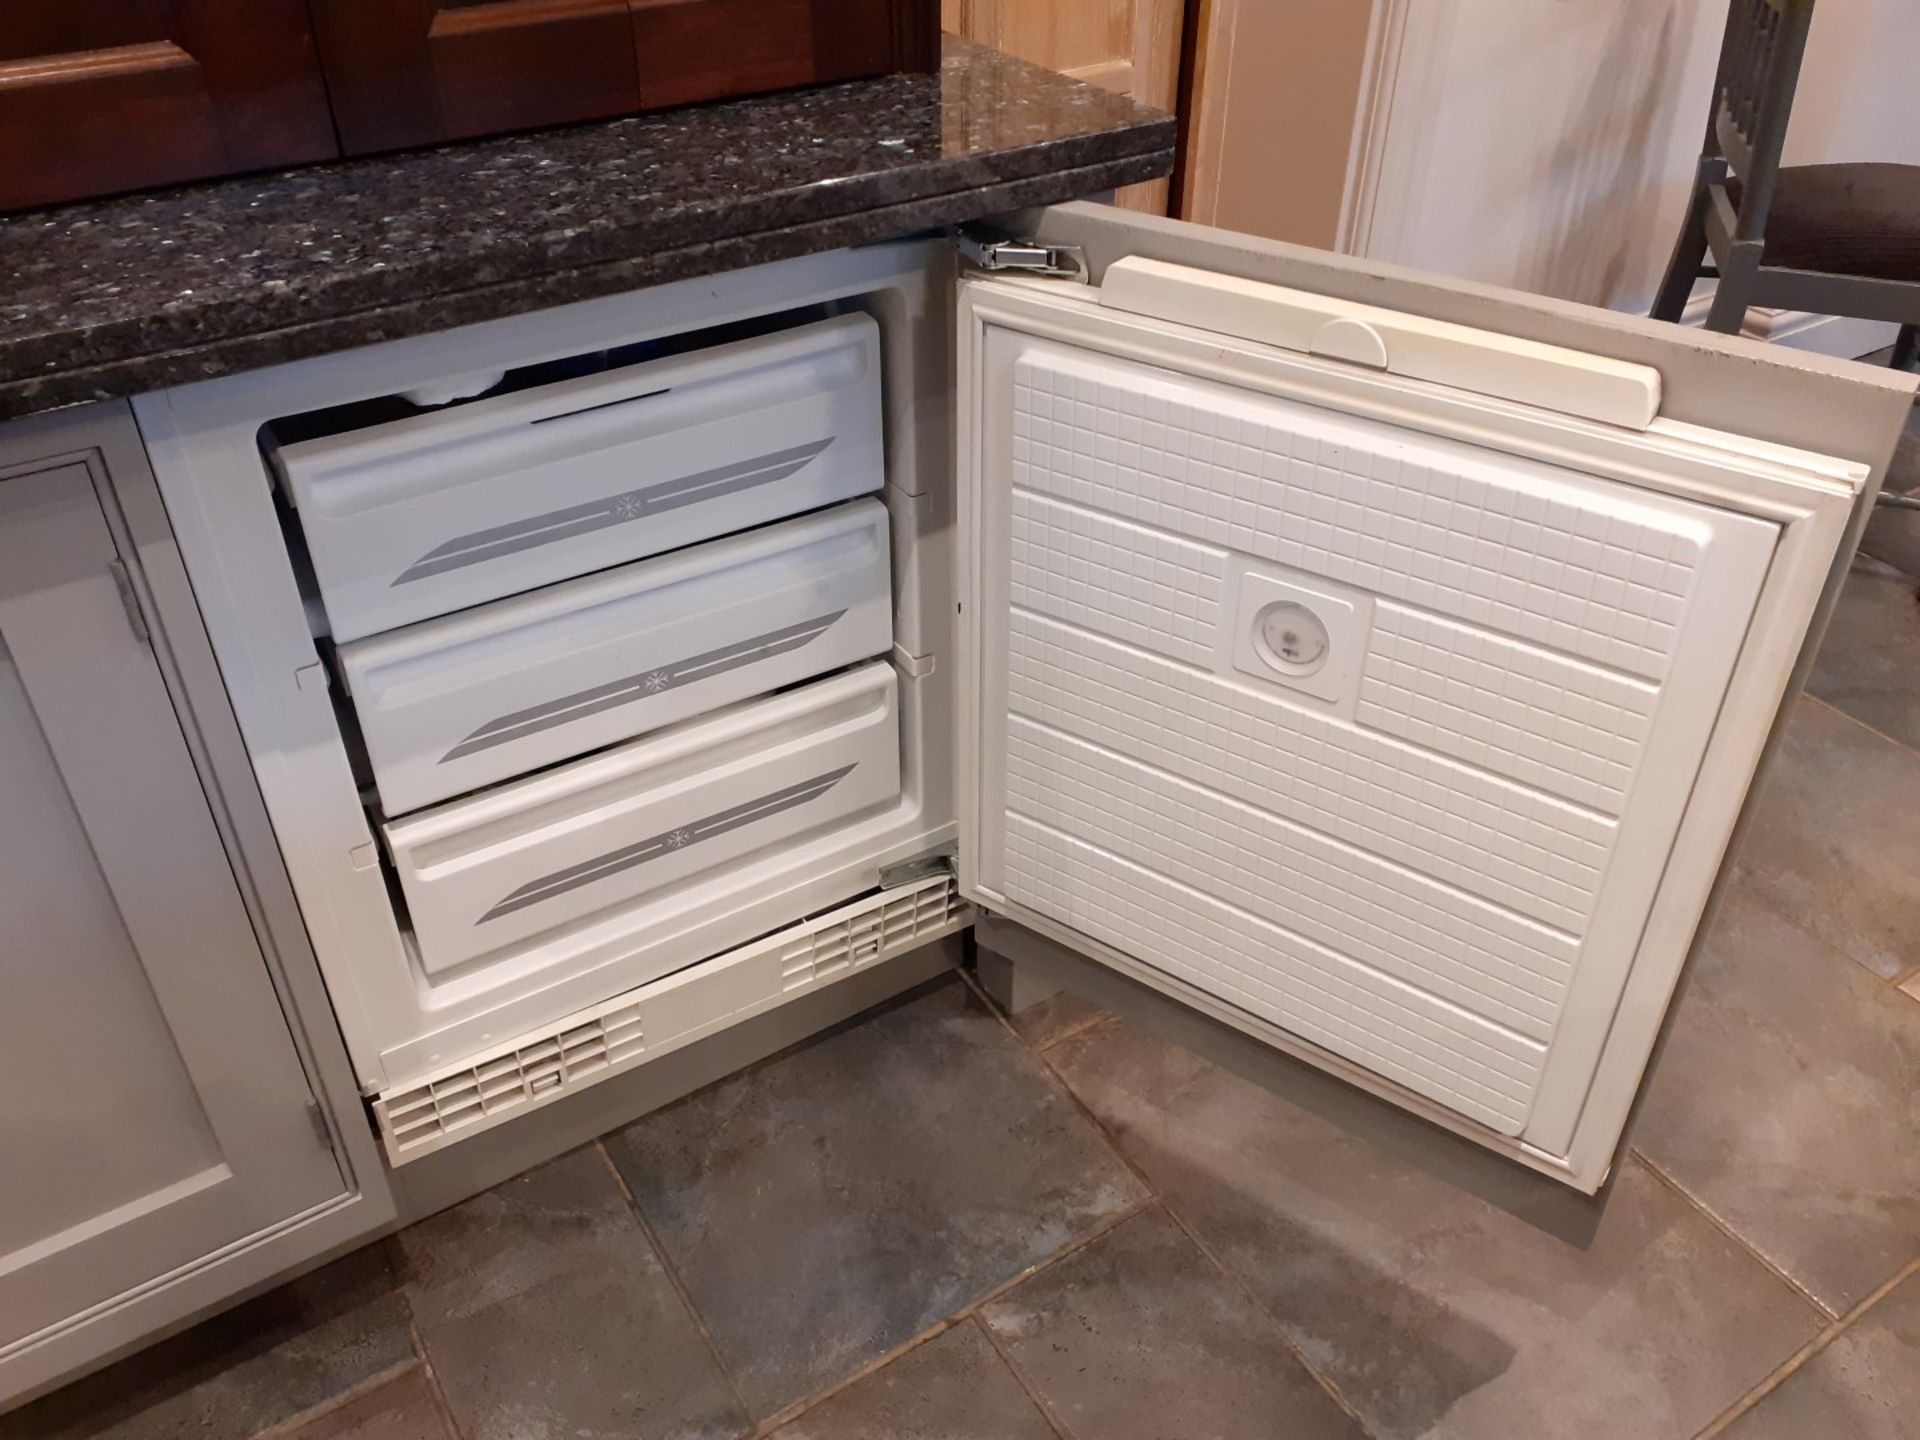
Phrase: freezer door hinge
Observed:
(939, 861)
(1026, 257)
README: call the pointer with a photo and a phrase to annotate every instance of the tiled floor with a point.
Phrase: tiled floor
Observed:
(933, 1223)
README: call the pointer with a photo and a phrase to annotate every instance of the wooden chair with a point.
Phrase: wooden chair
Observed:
(1833, 239)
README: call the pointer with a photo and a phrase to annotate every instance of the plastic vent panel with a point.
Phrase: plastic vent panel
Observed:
(593, 1045)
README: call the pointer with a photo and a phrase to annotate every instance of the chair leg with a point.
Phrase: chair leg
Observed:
(1689, 249)
(1906, 349)
(1734, 293)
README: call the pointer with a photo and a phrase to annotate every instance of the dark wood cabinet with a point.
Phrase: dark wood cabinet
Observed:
(103, 95)
(412, 72)
(704, 49)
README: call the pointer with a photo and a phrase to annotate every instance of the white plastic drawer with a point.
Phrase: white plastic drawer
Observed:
(527, 858)
(451, 705)
(430, 514)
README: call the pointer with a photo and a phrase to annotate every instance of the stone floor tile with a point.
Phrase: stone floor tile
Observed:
(1869, 663)
(954, 1387)
(546, 1314)
(1138, 1336)
(1864, 1386)
(829, 1205)
(1836, 840)
(259, 1365)
(1434, 1312)
(1787, 1103)
(403, 1408)
(1055, 1018)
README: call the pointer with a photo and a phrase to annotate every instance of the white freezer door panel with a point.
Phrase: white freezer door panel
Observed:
(455, 704)
(501, 870)
(1378, 736)
(430, 514)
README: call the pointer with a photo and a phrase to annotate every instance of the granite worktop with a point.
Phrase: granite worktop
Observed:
(114, 297)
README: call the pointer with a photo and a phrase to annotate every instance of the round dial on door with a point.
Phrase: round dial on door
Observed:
(1291, 638)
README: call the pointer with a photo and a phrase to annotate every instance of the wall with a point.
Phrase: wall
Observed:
(1543, 143)
(1277, 88)
(1859, 85)
(1547, 144)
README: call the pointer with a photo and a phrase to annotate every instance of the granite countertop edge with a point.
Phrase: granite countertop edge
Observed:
(248, 350)
(114, 341)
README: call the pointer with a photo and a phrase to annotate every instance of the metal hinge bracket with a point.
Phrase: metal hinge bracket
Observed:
(939, 861)
(1025, 257)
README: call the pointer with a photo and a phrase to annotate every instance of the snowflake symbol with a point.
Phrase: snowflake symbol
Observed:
(656, 681)
(629, 507)
(676, 839)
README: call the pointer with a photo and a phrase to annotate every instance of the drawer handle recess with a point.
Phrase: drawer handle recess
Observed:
(665, 843)
(640, 504)
(656, 681)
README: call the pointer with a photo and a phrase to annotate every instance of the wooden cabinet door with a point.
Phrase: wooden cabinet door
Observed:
(1132, 46)
(692, 50)
(412, 72)
(157, 1113)
(103, 95)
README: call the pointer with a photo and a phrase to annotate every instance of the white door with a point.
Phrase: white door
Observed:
(1387, 686)
(158, 1112)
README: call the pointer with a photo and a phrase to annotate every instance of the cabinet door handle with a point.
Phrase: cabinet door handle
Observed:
(129, 601)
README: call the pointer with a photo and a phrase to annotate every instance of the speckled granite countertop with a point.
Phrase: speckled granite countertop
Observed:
(113, 297)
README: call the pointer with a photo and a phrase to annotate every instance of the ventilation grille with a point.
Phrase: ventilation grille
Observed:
(593, 1045)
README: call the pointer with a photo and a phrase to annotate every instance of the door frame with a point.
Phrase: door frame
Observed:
(104, 439)
(1816, 504)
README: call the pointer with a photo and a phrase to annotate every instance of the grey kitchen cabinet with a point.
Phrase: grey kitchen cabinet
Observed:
(171, 1137)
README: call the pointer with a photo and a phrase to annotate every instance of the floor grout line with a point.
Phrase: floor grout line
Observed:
(1061, 1087)
(293, 1424)
(419, 1341)
(1055, 1423)
(1725, 1227)
(1090, 1022)
(1853, 719)
(1786, 1368)
(434, 1387)
(794, 1409)
(1899, 982)
(672, 1272)
(1325, 1382)
(959, 1317)
(1235, 1279)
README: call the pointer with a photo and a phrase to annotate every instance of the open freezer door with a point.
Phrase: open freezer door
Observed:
(1377, 664)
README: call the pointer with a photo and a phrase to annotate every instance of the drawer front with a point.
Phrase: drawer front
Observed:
(451, 705)
(431, 514)
(499, 869)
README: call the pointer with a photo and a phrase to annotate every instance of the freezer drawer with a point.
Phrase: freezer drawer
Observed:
(430, 514)
(534, 856)
(454, 704)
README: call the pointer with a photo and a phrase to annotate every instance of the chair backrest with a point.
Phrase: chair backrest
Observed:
(1753, 97)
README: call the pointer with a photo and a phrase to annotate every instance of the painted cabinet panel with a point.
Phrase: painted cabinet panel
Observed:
(158, 1110)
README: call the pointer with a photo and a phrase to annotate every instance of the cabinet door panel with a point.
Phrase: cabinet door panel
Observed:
(412, 72)
(693, 50)
(160, 1110)
(98, 95)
